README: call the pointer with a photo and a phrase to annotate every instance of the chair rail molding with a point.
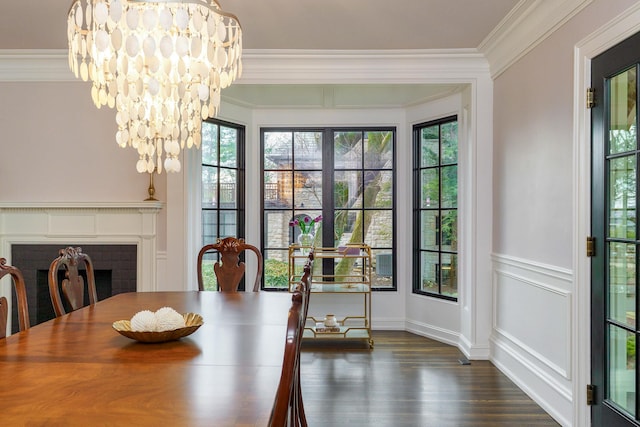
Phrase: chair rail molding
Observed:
(85, 223)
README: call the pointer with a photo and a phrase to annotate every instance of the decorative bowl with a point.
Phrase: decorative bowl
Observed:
(192, 321)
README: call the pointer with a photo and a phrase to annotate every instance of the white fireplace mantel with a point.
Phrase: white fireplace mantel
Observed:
(85, 223)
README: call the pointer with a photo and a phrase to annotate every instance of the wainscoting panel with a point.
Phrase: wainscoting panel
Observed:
(532, 323)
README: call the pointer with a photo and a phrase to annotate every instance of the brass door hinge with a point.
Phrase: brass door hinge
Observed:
(591, 246)
(591, 394)
(591, 97)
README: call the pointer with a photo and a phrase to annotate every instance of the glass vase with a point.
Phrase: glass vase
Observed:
(305, 240)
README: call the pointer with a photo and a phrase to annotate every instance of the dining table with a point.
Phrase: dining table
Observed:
(77, 370)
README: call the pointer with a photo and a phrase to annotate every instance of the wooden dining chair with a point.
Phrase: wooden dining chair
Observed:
(21, 298)
(72, 285)
(288, 408)
(229, 270)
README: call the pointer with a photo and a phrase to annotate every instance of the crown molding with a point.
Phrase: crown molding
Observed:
(289, 66)
(527, 25)
(363, 67)
(35, 65)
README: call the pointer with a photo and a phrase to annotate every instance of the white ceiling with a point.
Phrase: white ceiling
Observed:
(306, 25)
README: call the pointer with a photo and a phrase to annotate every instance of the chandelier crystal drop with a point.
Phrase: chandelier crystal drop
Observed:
(160, 63)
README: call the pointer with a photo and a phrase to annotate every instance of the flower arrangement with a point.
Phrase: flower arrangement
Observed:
(307, 224)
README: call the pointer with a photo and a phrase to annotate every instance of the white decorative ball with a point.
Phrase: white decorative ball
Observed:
(168, 319)
(144, 321)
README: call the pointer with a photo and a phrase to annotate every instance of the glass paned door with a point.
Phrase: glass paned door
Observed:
(614, 225)
(622, 170)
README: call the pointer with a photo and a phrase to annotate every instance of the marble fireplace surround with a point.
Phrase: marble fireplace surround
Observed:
(111, 223)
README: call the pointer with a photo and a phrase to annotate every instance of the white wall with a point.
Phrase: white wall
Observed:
(535, 325)
(56, 146)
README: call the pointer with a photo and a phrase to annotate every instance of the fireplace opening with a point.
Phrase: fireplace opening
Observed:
(115, 271)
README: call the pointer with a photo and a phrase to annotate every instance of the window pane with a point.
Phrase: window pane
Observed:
(278, 189)
(622, 132)
(429, 230)
(228, 147)
(622, 282)
(429, 146)
(348, 189)
(345, 227)
(348, 150)
(382, 187)
(308, 150)
(228, 180)
(622, 197)
(209, 187)
(209, 227)
(450, 187)
(209, 143)
(228, 223)
(449, 275)
(449, 231)
(378, 228)
(449, 134)
(277, 150)
(277, 233)
(429, 195)
(276, 269)
(382, 260)
(429, 271)
(308, 190)
(209, 279)
(378, 150)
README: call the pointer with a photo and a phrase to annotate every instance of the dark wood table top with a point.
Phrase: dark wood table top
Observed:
(77, 370)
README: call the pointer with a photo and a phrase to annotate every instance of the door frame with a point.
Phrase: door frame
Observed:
(594, 44)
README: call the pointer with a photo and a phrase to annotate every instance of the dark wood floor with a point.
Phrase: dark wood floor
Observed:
(408, 380)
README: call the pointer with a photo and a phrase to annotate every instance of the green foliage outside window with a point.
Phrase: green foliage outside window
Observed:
(276, 274)
(209, 276)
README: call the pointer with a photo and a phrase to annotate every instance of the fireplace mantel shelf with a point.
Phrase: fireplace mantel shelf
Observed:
(152, 205)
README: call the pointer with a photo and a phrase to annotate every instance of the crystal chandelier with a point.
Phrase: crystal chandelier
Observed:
(160, 63)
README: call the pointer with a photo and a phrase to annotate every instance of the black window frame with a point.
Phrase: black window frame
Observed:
(239, 208)
(418, 209)
(329, 170)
